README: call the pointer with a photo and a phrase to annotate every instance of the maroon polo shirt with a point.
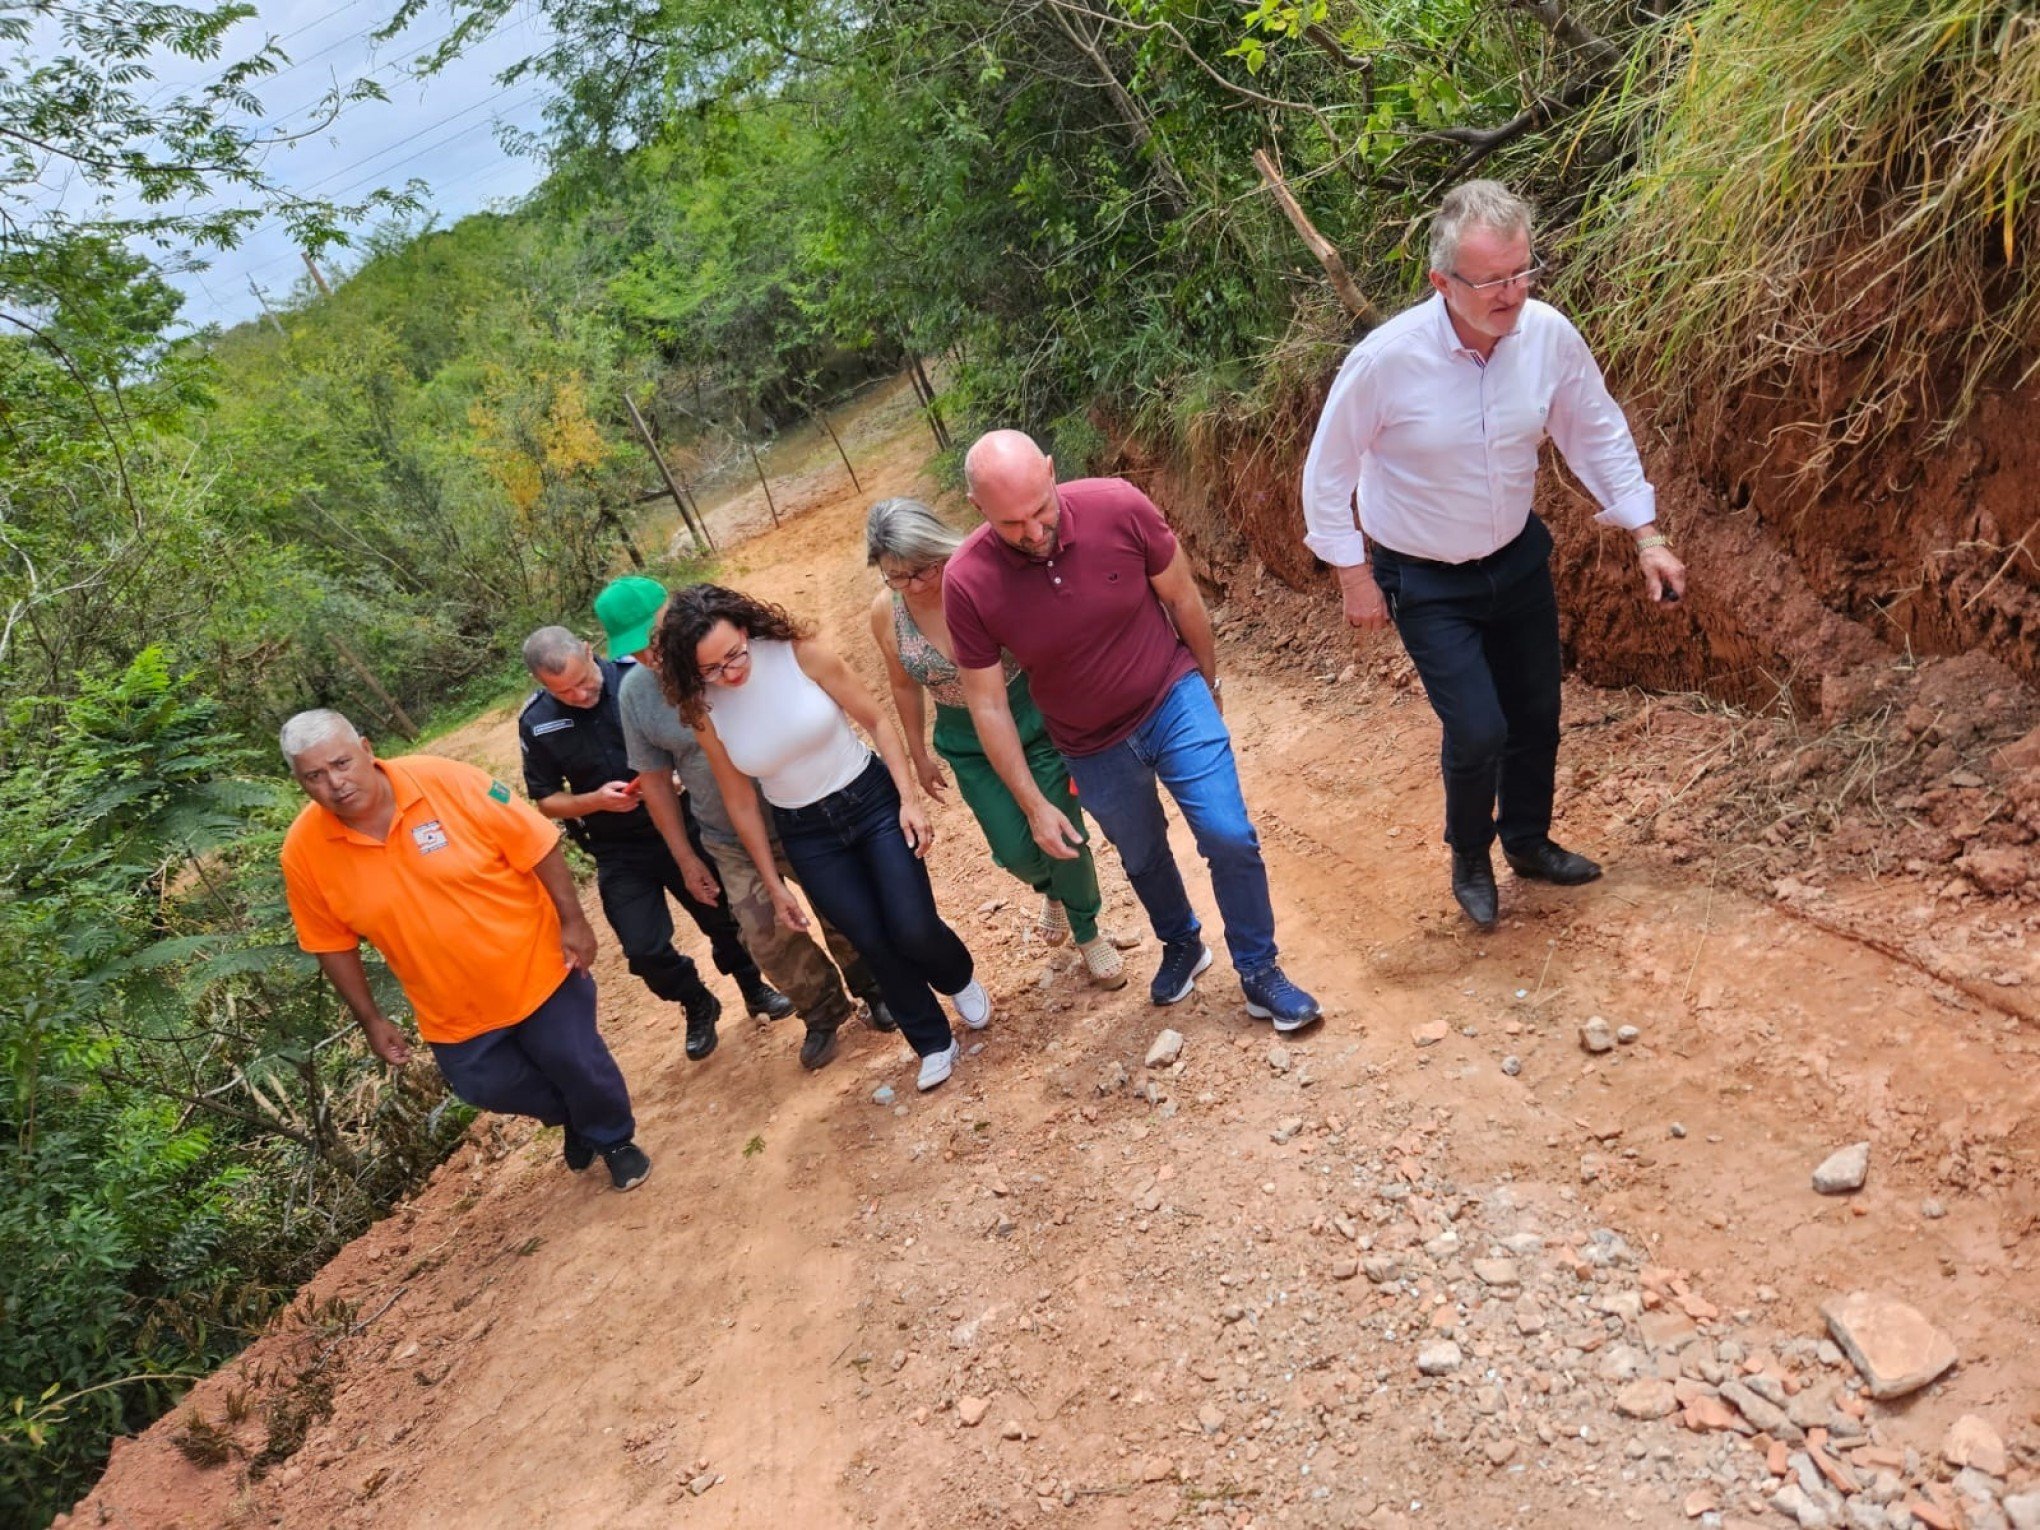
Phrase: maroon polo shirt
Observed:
(1097, 644)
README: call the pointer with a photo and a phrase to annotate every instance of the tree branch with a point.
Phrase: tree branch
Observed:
(1561, 25)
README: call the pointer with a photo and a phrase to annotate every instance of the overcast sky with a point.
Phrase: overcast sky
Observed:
(443, 131)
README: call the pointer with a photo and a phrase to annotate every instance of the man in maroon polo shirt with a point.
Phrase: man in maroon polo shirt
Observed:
(1085, 585)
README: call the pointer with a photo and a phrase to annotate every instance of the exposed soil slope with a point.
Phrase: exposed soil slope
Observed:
(1068, 1286)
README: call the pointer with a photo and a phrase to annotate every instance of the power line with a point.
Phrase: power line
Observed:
(386, 169)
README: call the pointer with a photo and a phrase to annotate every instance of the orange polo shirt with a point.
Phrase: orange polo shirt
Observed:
(449, 898)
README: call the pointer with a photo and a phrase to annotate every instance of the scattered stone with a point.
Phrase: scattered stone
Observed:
(1767, 1416)
(1211, 1418)
(1112, 1077)
(1440, 1358)
(1596, 1037)
(1701, 1501)
(1708, 1414)
(1529, 1316)
(703, 1482)
(1932, 1209)
(1624, 1362)
(1843, 1171)
(1496, 1272)
(1627, 1035)
(1971, 1441)
(2023, 1510)
(1381, 1268)
(882, 1095)
(1512, 1065)
(1430, 1035)
(1285, 1130)
(1678, 1128)
(1345, 1269)
(1166, 1049)
(1891, 1344)
(1157, 1469)
(970, 1411)
(1278, 1057)
(1667, 1331)
(1500, 1452)
(1647, 1398)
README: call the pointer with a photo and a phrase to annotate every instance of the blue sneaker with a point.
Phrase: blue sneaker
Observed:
(1182, 960)
(1271, 996)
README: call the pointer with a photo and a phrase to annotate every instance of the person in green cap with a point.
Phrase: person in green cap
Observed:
(660, 747)
(570, 736)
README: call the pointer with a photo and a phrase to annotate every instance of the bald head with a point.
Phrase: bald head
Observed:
(1012, 482)
(1002, 454)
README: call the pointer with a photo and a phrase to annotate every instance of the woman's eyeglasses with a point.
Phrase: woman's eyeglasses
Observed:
(736, 658)
(900, 579)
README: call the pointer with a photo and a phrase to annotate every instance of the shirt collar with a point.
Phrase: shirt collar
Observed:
(402, 782)
(1448, 337)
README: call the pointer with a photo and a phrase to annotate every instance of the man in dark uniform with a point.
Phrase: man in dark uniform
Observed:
(576, 770)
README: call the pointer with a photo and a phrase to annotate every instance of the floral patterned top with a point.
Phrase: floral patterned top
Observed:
(928, 665)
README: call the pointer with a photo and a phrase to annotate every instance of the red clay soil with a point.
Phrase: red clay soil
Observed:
(1068, 1286)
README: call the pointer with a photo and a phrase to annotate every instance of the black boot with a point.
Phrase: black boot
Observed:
(703, 1010)
(1473, 884)
(765, 1001)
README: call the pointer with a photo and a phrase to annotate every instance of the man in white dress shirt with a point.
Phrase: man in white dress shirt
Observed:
(1436, 419)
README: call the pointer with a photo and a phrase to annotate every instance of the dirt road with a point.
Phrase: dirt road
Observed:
(1070, 1287)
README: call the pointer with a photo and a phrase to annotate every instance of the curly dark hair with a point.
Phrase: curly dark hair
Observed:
(690, 615)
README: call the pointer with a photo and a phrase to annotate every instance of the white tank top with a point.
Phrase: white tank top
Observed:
(787, 731)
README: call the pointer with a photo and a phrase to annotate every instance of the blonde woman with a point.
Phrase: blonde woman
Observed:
(909, 545)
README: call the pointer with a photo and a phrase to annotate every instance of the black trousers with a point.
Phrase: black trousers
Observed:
(633, 878)
(1484, 638)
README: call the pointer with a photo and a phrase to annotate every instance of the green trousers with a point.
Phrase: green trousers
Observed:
(1072, 883)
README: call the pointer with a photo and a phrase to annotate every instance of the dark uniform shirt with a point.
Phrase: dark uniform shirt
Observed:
(579, 749)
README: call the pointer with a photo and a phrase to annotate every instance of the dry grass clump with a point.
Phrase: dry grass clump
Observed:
(1830, 202)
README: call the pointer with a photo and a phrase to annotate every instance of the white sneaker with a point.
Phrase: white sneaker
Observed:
(1102, 962)
(973, 1005)
(937, 1066)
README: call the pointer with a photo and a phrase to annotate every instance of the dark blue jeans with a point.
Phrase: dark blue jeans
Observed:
(1484, 638)
(552, 1064)
(1184, 745)
(856, 869)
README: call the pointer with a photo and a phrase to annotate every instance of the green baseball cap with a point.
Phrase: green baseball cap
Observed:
(627, 608)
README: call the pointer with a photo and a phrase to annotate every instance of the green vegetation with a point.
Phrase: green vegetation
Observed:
(751, 207)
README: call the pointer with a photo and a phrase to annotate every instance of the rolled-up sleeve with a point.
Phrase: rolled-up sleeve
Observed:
(1331, 472)
(1589, 429)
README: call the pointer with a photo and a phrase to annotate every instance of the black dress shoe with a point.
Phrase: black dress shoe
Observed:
(1473, 884)
(1550, 863)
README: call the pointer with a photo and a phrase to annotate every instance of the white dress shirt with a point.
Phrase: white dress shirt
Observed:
(1443, 449)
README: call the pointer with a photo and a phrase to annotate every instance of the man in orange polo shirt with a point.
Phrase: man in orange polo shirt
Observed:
(464, 891)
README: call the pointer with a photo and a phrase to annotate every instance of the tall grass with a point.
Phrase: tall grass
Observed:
(1830, 201)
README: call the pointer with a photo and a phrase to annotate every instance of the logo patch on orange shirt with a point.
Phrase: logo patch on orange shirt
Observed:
(429, 836)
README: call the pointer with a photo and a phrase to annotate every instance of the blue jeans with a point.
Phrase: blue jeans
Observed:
(1484, 639)
(552, 1064)
(1184, 745)
(856, 868)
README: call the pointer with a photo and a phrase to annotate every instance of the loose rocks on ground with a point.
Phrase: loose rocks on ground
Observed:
(1844, 1171)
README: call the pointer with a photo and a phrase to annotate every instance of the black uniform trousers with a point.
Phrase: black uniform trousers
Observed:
(633, 877)
(1484, 638)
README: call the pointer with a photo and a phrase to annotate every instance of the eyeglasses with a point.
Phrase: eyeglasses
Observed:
(737, 658)
(1527, 275)
(902, 579)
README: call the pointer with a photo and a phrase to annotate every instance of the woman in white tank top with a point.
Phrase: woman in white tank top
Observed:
(769, 701)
